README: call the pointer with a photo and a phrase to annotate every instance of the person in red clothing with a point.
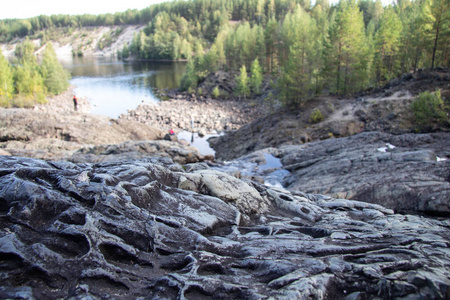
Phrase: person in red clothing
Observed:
(75, 103)
(171, 132)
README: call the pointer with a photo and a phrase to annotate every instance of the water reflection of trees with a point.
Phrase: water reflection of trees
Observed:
(168, 75)
(159, 75)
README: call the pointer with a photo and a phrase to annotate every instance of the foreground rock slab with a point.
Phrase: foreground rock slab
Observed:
(149, 229)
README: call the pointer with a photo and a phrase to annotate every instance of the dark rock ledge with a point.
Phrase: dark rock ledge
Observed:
(151, 228)
(408, 173)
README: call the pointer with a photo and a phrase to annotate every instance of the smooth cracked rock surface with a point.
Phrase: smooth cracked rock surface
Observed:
(153, 229)
(408, 173)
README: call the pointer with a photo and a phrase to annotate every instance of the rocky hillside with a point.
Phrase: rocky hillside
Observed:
(99, 40)
(385, 109)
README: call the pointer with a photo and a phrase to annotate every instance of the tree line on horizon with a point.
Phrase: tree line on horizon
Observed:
(306, 49)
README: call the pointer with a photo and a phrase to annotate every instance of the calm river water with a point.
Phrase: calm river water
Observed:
(112, 86)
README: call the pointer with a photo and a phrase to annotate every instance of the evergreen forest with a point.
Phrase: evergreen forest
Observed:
(304, 48)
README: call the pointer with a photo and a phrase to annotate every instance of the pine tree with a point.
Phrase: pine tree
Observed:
(387, 46)
(6, 81)
(25, 51)
(436, 23)
(256, 77)
(411, 49)
(56, 79)
(244, 44)
(260, 44)
(29, 83)
(320, 13)
(271, 41)
(377, 10)
(271, 9)
(347, 53)
(299, 33)
(219, 45)
(135, 44)
(211, 59)
(242, 83)
(260, 15)
(185, 49)
(125, 51)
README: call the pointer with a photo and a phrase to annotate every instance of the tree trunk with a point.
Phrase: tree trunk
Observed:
(416, 59)
(435, 43)
(338, 69)
(346, 76)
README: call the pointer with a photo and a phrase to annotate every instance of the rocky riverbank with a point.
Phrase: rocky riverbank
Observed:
(54, 131)
(409, 173)
(153, 229)
(191, 113)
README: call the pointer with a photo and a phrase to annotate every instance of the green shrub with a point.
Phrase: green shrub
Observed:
(215, 92)
(23, 102)
(316, 116)
(428, 108)
(105, 42)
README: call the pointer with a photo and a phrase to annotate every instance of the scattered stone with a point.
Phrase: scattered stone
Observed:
(201, 132)
(181, 113)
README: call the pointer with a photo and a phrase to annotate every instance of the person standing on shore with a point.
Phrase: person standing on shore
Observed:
(75, 103)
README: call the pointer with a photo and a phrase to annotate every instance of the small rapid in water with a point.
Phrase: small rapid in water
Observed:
(259, 166)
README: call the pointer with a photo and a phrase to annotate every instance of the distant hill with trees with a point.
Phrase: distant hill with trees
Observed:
(309, 49)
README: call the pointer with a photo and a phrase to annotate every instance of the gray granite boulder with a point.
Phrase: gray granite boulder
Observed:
(225, 187)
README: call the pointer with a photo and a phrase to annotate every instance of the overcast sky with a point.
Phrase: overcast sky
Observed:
(20, 9)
